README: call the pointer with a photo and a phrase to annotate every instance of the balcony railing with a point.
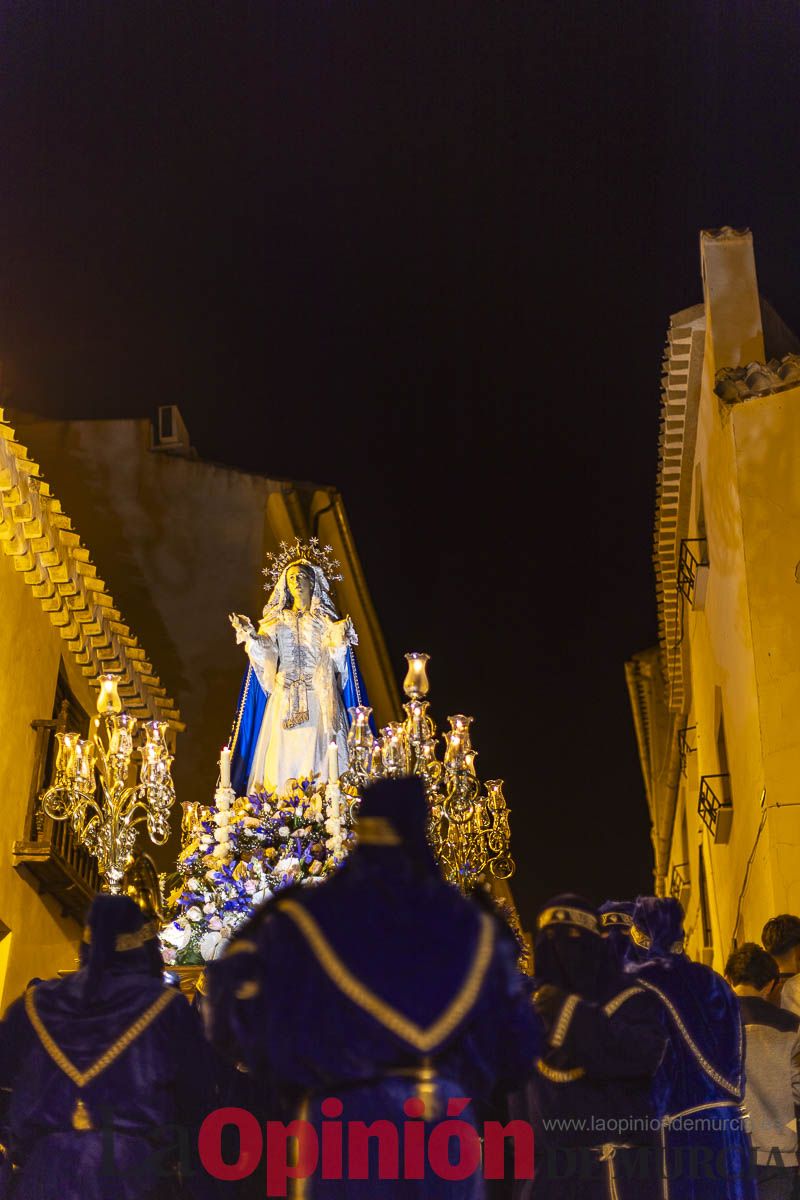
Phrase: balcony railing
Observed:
(693, 569)
(715, 806)
(679, 885)
(47, 855)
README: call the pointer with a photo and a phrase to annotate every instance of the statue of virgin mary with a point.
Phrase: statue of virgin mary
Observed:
(302, 676)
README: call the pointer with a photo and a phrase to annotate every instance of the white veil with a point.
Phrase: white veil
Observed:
(321, 599)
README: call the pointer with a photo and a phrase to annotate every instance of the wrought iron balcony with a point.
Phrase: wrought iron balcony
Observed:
(679, 884)
(715, 806)
(693, 570)
(48, 856)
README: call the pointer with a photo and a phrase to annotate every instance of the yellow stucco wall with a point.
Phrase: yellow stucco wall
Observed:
(766, 431)
(40, 941)
(741, 647)
(742, 661)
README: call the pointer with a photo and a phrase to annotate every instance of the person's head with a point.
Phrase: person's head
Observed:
(751, 971)
(392, 824)
(657, 929)
(570, 951)
(780, 937)
(299, 584)
(118, 938)
(616, 919)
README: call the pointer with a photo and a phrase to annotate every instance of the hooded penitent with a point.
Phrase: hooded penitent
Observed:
(616, 918)
(703, 1069)
(380, 984)
(570, 952)
(100, 1066)
(603, 1043)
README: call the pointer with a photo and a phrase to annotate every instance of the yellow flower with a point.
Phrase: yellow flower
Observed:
(240, 871)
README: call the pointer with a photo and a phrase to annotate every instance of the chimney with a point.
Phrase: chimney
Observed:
(734, 332)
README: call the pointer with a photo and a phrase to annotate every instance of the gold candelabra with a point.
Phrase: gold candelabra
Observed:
(92, 785)
(469, 827)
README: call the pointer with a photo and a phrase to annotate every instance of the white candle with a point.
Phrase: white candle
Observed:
(333, 763)
(225, 767)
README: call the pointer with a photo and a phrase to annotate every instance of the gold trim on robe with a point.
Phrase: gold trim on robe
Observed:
(423, 1039)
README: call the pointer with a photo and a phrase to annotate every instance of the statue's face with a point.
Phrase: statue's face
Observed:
(300, 585)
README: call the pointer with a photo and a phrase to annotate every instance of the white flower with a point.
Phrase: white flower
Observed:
(176, 935)
(209, 908)
(284, 831)
(223, 835)
(260, 896)
(193, 913)
(211, 945)
(193, 884)
(333, 826)
(286, 864)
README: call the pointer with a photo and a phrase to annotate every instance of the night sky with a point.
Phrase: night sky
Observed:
(426, 252)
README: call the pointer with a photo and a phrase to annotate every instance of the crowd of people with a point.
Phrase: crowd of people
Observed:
(373, 1036)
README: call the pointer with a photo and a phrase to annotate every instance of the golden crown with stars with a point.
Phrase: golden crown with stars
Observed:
(309, 552)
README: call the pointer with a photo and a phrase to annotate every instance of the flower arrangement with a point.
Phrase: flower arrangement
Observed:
(239, 852)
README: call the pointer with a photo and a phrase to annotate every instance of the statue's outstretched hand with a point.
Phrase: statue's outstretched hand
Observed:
(243, 627)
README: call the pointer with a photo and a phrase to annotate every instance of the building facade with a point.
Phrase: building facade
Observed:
(59, 629)
(182, 543)
(716, 705)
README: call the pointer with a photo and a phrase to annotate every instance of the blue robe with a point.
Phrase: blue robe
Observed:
(144, 1108)
(282, 1006)
(250, 709)
(598, 1063)
(702, 1069)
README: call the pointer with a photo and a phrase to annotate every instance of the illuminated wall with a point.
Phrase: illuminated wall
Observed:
(57, 619)
(40, 941)
(730, 652)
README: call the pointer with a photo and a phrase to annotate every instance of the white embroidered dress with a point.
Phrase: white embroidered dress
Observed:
(300, 658)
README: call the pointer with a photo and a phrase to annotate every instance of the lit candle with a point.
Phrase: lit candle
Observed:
(108, 699)
(225, 767)
(415, 684)
(333, 763)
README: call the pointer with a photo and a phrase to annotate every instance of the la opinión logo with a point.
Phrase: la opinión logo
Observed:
(452, 1149)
